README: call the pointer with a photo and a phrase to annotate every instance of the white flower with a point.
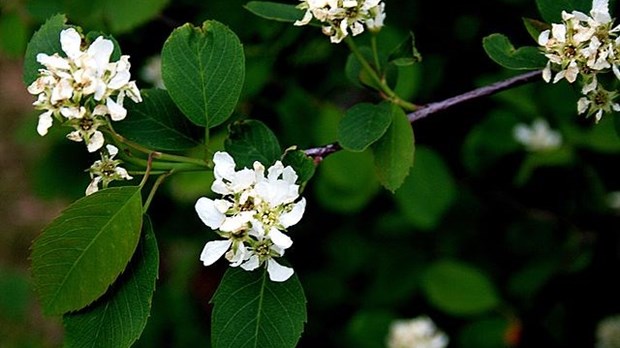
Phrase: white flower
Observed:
(419, 332)
(608, 332)
(341, 16)
(106, 170)
(151, 72)
(82, 88)
(597, 102)
(253, 214)
(538, 137)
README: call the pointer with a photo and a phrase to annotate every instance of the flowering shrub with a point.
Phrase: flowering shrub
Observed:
(97, 263)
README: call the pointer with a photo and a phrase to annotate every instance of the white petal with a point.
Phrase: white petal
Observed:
(53, 62)
(277, 272)
(112, 150)
(45, 122)
(122, 173)
(543, 38)
(251, 264)
(582, 105)
(224, 165)
(75, 136)
(101, 50)
(292, 217)
(600, 11)
(117, 112)
(546, 74)
(214, 250)
(208, 213)
(93, 186)
(70, 41)
(280, 239)
(95, 142)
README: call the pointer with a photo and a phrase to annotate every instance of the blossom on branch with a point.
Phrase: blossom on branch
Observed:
(584, 46)
(341, 16)
(82, 88)
(252, 215)
(106, 170)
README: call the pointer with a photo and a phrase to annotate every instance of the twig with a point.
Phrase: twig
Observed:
(319, 153)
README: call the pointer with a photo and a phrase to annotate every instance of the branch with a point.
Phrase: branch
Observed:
(319, 153)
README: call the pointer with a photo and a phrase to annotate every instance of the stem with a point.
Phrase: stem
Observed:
(432, 108)
(386, 91)
(156, 185)
(375, 52)
(319, 153)
(156, 154)
(162, 165)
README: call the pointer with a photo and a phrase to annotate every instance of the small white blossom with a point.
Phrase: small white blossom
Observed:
(419, 332)
(343, 16)
(584, 45)
(106, 170)
(151, 72)
(608, 332)
(537, 137)
(82, 88)
(252, 215)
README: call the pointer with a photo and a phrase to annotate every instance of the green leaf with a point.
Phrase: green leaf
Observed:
(275, 11)
(249, 310)
(203, 70)
(80, 254)
(252, 140)
(394, 151)
(304, 166)
(427, 192)
(157, 123)
(500, 50)
(45, 40)
(406, 53)
(551, 10)
(118, 318)
(459, 289)
(363, 124)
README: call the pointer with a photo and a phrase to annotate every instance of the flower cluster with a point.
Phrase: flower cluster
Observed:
(418, 332)
(538, 137)
(252, 215)
(586, 46)
(82, 88)
(340, 16)
(106, 170)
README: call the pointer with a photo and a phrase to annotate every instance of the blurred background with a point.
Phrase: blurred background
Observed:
(500, 245)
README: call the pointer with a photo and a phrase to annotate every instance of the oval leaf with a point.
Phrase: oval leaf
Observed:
(275, 11)
(118, 318)
(499, 48)
(252, 140)
(80, 254)
(249, 310)
(45, 40)
(304, 165)
(427, 192)
(363, 124)
(203, 70)
(157, 123)
(394, 151)
(459, 289)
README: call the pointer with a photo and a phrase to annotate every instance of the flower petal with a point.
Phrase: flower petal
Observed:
(251, 264)
(70, 41)
(277, 272)
(208, 213)
(292, 217)
(214, 250)
(95, 142)
(45, 122)
(280, 239)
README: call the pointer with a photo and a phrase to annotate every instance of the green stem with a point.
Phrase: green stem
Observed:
(162, 165)
(156, 185)
(375, 52)
(157, 154)
(384, 89)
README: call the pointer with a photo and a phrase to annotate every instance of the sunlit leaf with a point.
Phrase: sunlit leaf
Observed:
(394, 152)
(249, 310)
(82, 252)
(156, 122)
(118, 317)
(45, 40)
(203, 69)
(499, 48)
(363, 124)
